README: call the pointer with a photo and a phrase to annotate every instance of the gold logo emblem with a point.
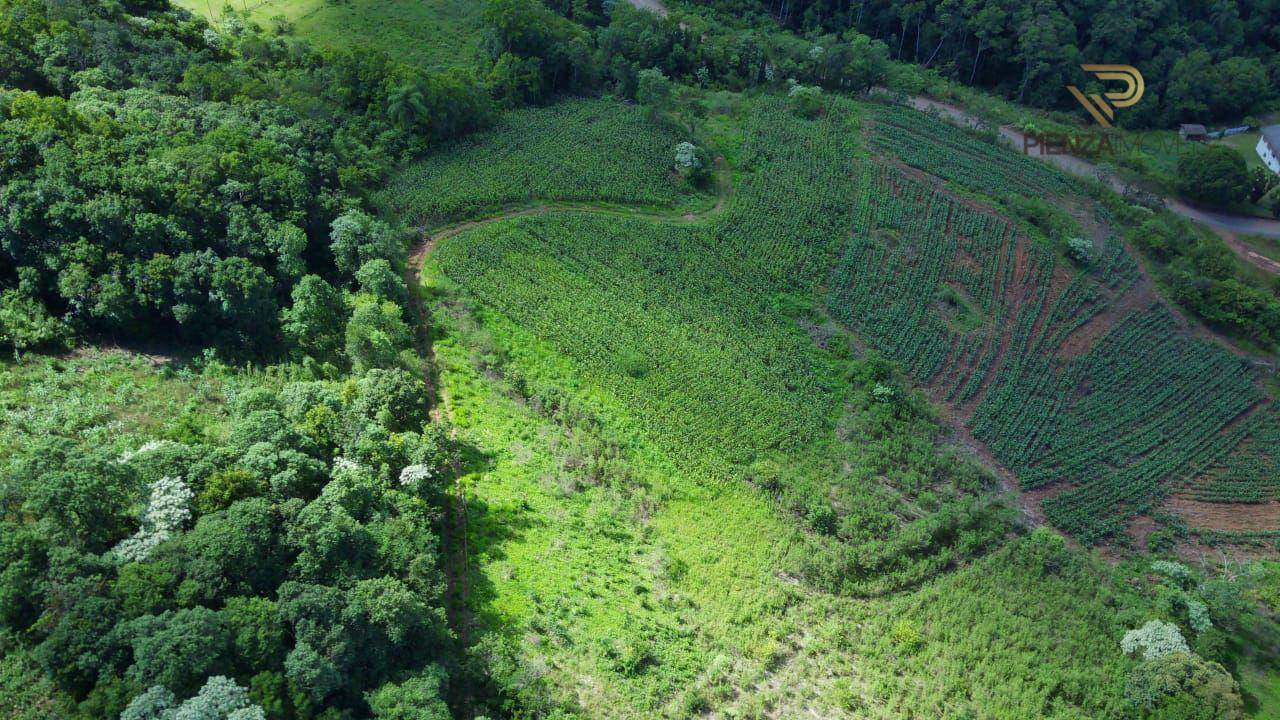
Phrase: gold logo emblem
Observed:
(1103, 107)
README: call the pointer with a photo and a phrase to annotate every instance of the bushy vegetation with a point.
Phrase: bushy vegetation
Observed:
(1204, 276)
(1214, 175)
(268, 545)
(436, 34)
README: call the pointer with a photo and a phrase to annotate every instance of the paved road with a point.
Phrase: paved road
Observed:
(1226, 225)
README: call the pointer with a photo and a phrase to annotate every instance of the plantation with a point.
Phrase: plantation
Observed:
(579, 150)
(1116, 416)
(1250, 470)
(947, 151)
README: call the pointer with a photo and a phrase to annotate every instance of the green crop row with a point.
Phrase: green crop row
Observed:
(577, 150)
(952, 153)
(965, 304)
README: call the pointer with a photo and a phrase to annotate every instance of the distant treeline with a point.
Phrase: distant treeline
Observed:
(1203, 62)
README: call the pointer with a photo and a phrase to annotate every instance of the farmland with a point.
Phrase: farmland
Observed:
(1070, 374)
(1073, 373)
(579, 150)
(568, 361)
(691, 385)
(620, 300)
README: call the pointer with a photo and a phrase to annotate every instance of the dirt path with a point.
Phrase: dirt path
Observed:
(1226, 225)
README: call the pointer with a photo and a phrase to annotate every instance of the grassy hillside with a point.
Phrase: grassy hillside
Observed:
(1068, 367)
(619, 586)
(432, 34)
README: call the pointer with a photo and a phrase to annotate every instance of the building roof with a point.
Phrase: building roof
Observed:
(1271, 134)
(1192, 129)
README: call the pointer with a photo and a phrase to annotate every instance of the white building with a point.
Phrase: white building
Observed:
(1269, 147)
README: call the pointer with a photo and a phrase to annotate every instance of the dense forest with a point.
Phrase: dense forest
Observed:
(1203, 62)
(164, 178)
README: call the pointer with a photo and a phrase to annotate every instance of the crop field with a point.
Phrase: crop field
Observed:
(682, 325)
(1250, 471)
(634, 590)
(625, 299)
(1111, 407)
(953, 154)
(684, 386)
(650, 403)
(424, 33)
(578, 150)
(1072, 377)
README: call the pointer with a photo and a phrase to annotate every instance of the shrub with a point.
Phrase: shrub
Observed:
(1080, 250)
(1213, 174)
(26, 325)
(806, 100)
(1184, 686)
(905, 633)
(1156, 639)
(1176, 571)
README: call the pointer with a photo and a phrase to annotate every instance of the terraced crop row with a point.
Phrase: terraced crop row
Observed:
(1250, 472)
(950, 152)
(1117, 419)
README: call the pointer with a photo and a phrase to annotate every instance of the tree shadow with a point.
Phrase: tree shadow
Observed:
(476, 537)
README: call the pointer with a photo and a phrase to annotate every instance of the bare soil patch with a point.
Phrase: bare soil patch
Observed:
(1226, 517)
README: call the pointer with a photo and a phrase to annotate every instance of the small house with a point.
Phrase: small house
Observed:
(1192, 132)
(1269, 148)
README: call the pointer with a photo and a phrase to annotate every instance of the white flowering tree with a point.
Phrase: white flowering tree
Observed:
(168, 509)
(687, 156)
(220, 699)
(1155, 639)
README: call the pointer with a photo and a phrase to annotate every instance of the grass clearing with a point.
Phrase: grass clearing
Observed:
(433, 34)
(101, 397)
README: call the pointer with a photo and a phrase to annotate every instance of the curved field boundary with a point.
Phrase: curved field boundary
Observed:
(724, 191)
